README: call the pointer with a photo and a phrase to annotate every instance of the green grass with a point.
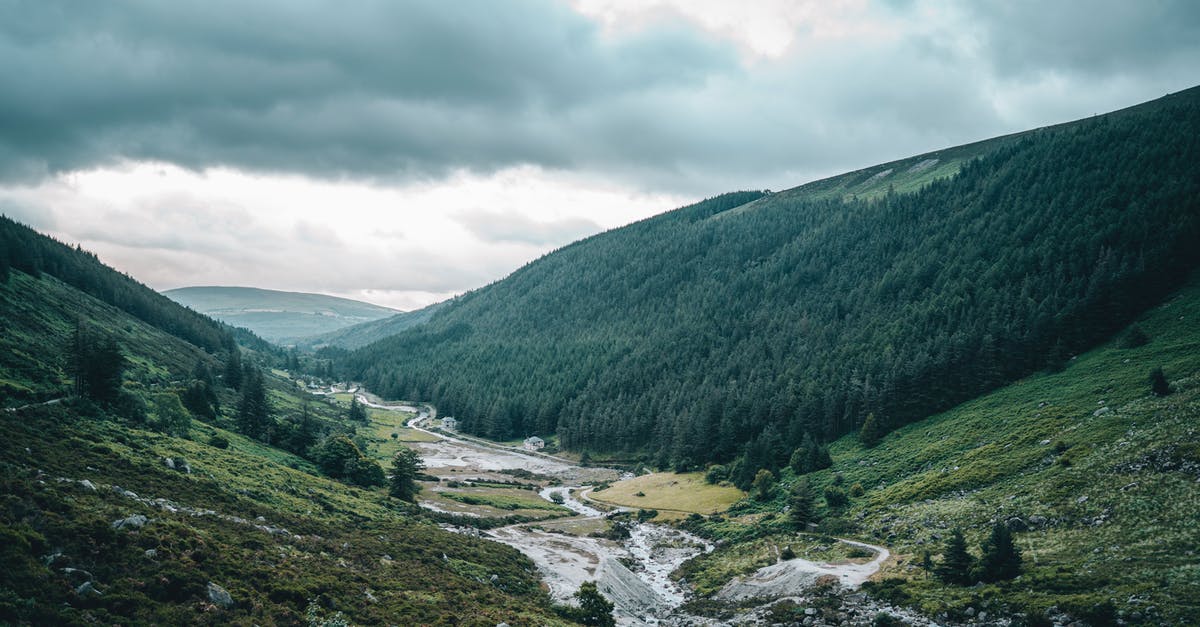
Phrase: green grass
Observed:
(1116, 525)
(682, 492)
(709, 572)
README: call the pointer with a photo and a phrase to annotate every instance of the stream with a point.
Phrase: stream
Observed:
(633, 573)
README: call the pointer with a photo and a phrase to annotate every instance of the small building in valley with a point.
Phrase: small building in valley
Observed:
(534, 443)
(449, 423)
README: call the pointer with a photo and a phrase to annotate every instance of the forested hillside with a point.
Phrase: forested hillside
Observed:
(729, 329)
(364, 333)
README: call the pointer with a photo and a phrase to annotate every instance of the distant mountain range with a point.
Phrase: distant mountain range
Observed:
(363, 333)
(281, 317)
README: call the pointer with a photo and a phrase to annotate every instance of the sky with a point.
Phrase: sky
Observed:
(404, 152)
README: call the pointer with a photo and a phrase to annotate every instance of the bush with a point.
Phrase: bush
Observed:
(787, 554)
(856, 490)
(218, 441)
(836, 497)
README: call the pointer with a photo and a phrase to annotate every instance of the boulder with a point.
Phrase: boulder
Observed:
(1016, 524)
(137, 521)
(86, 589)
(219, 596)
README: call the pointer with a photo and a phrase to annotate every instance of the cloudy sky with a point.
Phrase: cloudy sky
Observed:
(403, 152)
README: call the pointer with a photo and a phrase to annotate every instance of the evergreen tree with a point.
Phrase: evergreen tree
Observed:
(406, 465)
(254, 410)
(1000, 560)
(98, 366)
(1158, 383)
(957, 563)
(801, 509)
(870, 433)
(594, 609)
(835, 497)
(358, 412)
(233, 369)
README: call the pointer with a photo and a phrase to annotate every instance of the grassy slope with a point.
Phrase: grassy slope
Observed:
(1120, 502)
(686, 492)
(337, 536)
(38, 317)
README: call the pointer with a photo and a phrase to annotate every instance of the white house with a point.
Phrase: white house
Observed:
(449, 423)
(533, 443)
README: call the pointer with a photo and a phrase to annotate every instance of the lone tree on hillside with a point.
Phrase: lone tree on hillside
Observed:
(358, 413)
(801, 509)
(254, 410)
(1001, 559)
(764, 482)
(870, 432)
(406, 464)
(593, 609)
(98, 365)
(956, 561)
(1158, 383)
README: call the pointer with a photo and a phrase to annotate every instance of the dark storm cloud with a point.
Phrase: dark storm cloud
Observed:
(415, 89)
(320, 88)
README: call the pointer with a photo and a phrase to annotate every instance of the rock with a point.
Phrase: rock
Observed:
(137, 521)
(183, 466)
(970, 611)
(1101, 411)
(501, 624)
(88, 484)
(1016, 524)
(1081, 500)
(1037, 520)
(169, 463)
(87, 589)
(151, 553)
(810, 611)
(219, 596)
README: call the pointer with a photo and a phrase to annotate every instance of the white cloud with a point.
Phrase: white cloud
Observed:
(403, 246)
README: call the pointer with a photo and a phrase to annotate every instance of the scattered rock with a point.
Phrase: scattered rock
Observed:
(169, 463)
(1037, 520)
(1016, 524)
(970, 611)
(1101, 411)
(137, 521)
(88, 484)
(151, 553)
(1081, 500)
(87, 589)
(219, 596)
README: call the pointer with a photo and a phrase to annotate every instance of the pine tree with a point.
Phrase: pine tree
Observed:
(406, 464)
(233, 369)
(870, 433)
(254, 411)
(1158, 383)
(956, 564)
(1001, 560)
(358, 413)
(801, 509)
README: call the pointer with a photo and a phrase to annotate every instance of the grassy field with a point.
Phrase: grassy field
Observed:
(664, 491)
(709, 572)
(1101, 479)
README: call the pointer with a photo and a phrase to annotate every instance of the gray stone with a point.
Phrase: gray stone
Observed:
(1037, 520)
(219, 596)
(1016, 524)
(169, 463)
(87, 589)
(810, 611)
(970, 611)
(1081, 500)
(151, 553)
(88, 484)
(137, 521)
(1101, 411)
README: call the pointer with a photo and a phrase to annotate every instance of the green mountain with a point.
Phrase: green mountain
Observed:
(131, 494)
(1096, 475)
(363, 333)
(730, 329)
(280, 317)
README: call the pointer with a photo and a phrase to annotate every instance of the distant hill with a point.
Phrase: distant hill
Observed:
(364, 333)
(281, 317)
(727, 330)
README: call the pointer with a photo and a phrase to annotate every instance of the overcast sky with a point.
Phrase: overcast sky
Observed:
(403, 152)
